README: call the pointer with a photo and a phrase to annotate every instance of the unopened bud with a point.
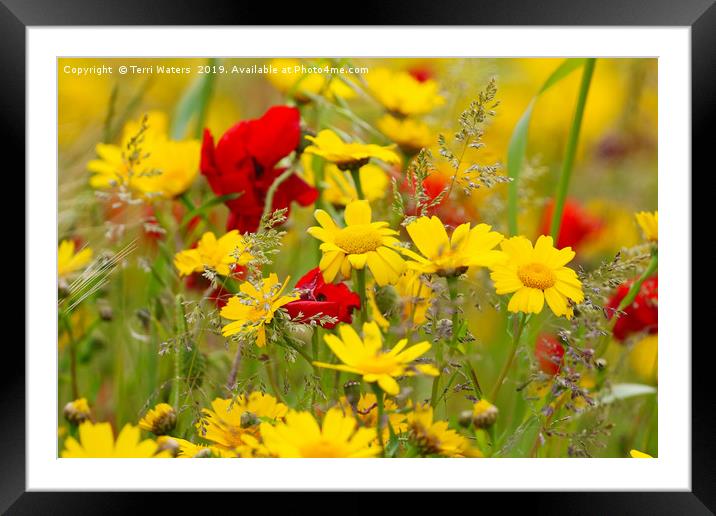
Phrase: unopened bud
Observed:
(465, 418)
(77, 411)
(351, 389)
(160, 420)
(484, 414)
(249, 419)
(105, 310)
(166, 443)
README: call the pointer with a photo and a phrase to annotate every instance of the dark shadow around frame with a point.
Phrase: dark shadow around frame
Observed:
(17, 15)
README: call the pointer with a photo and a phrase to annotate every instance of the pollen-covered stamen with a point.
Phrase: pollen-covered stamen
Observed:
(359, 239)
(536, 275)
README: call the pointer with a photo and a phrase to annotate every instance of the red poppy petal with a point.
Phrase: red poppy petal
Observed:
(275, 135)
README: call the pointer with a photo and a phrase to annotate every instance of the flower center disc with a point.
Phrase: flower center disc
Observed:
(358, 239)
(536, 275)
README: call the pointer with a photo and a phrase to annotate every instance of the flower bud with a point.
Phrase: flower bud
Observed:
(249, 419)
(166, 443)
(351, 389)
(160, 420)
(465, 418)
(484, 414)
(77, 411)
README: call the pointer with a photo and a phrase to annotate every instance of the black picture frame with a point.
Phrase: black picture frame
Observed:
(700, 15)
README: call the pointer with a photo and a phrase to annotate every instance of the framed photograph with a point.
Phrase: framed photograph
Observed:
(434, 248)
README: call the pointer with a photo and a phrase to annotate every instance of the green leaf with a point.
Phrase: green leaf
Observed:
(517, 147)
(623, 391)
(193, 106)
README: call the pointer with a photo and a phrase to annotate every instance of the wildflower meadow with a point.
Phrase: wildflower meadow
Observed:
(348, 257)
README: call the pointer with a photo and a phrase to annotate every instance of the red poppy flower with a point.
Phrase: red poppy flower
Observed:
(319, 297)
(244, 162)
(642, 314)
(421, 73)
(577, 225)
(549, 353)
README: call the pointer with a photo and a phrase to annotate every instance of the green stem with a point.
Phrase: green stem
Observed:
(268, 206)
(469, 370)
(506, 368)
(571, 150)
(73, 356)
(379, 422)
(315, 340)
(181, 331)
(204, 96)
(360, 285)
(636, 286)
(355, 174)
(272, 380)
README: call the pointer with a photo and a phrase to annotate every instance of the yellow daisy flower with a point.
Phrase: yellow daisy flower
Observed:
(346, 156)
(338, 186)
(292, 79)
(636, 454)
(159, 420)
(417, 296)
(255, 308)
(301, 436)
(367, 358)
(536, 275)
(68, 261)
(166, 169)
(411, 135)
(435, 438)
(97, 440)
(402, 94)
(217, 255)
(649, 224)
(451, 256)
(360, 243)
(230, 419)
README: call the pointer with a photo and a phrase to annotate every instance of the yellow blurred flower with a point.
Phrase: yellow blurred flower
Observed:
(416, 296)
(292, 79)
(253, 310)
(649, 224)
(229, 420)
(636, 454)
(345, 156)
(451, 256)
(338, 187)
(366, 357)
(435, 438)
(617, 231)
(360, 243)
(165, 168)
(536, 275)
(159, 420)
(301, 436)
(68, 261)
(97, 440)
(402, 94)
(411, 135)
(218, 255)
(375, 314)
(644, 359)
